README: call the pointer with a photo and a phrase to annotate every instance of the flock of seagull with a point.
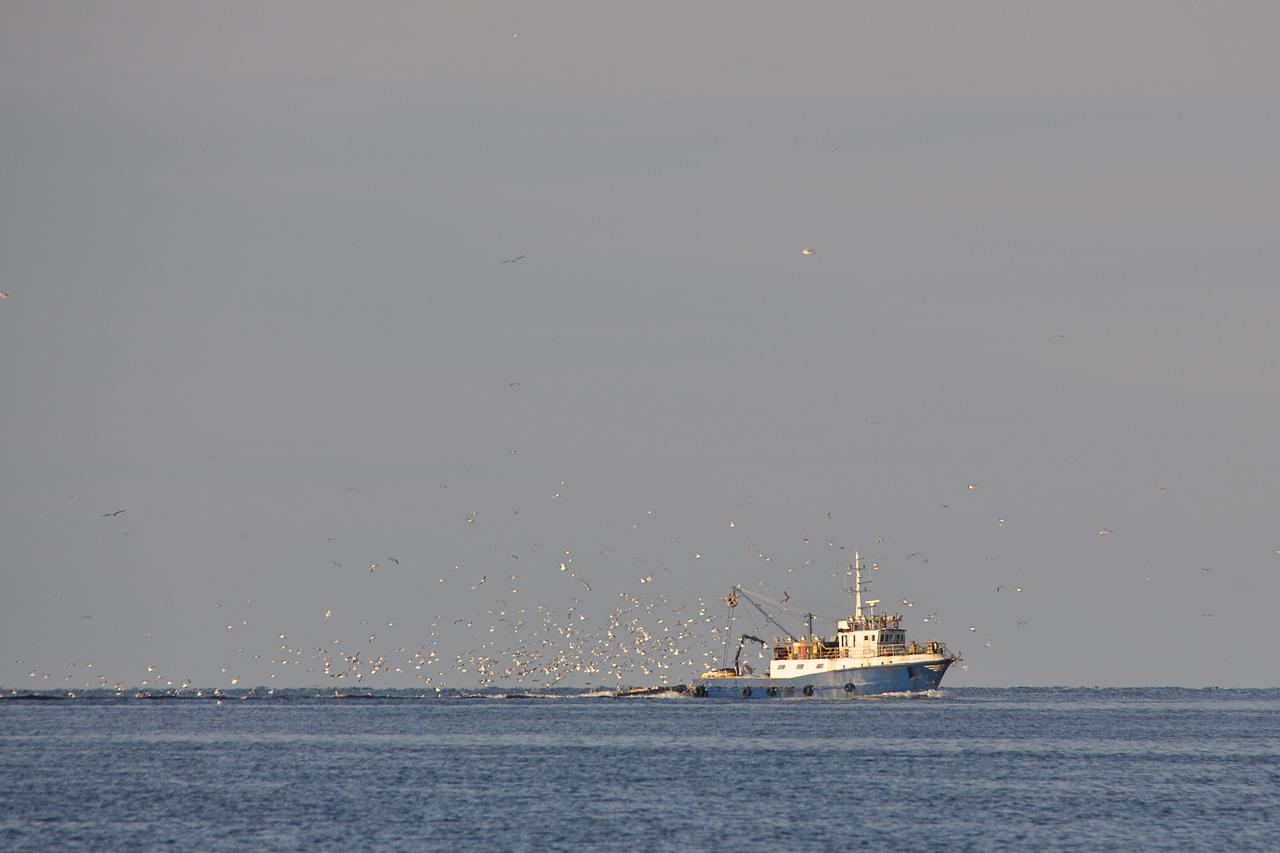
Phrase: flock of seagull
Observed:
(644, 635)
(515, 640)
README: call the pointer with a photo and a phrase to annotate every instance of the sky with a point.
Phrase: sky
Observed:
(489, 289)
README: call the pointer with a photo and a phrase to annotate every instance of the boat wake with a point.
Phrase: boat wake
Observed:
(936, 693)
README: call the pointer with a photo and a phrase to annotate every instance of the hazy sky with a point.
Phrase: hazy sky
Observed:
(256, 299)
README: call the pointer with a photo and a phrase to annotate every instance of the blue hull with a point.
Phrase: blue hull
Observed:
(914, 677)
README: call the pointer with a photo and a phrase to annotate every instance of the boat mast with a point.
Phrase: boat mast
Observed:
(857, 586)
(732, 601)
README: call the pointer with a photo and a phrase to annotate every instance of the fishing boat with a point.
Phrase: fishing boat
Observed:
(868, 655)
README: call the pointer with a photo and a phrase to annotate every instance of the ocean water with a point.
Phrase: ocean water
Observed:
(963, 769)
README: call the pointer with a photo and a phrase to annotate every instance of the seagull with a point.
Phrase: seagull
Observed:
(512, 260)
(785, 597)
(112, 514)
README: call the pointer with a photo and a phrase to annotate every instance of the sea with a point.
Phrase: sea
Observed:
(495, 770)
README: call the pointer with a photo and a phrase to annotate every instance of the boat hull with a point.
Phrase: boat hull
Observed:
(914, 676)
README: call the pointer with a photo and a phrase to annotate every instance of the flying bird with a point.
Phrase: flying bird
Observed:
(112, 514)
(512, 260)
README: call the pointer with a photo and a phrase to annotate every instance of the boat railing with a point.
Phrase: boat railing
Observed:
(825, 652)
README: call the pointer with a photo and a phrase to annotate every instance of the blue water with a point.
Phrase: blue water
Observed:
(964, 769)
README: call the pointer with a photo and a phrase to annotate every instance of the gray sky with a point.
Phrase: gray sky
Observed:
(256, 299)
